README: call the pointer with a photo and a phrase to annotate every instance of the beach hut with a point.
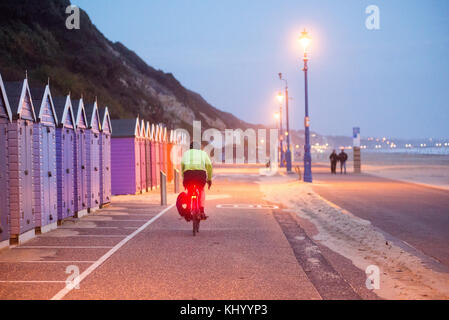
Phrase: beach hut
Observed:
(164, 150)
(125, 156)
(148, 155)
(44, 161)
(154, 175)
(5, 120)
(169, 155)
(161, 148)
(81, 196)
(20, 169)
(65, 157)
(157, 145)
(105, 157)
(93, 156)
(143, 162)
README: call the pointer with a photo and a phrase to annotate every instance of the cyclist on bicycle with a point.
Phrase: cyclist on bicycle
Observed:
(196, 170)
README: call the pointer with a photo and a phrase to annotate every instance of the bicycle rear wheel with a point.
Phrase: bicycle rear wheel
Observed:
(196, 222)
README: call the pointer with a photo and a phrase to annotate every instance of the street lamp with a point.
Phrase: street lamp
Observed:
(305, 42)
(288, 154)
(280, 98)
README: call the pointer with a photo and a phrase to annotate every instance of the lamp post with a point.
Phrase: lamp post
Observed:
(280, 98)
(305, 41)
(288, 154)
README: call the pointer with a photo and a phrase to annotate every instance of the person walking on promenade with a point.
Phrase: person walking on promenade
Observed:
(334, 158)
(342, 157)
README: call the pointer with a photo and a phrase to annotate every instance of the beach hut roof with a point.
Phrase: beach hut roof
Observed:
(4, 98)
(104, 116)
(79, 110)
(125, 127)
(148, 130)
(40, 95)
(16, 92)
(91, 112)
(63, 108)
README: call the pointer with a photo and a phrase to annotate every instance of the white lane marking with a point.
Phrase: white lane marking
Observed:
(86, 235)
(75, 227)
(100, 220)
(63, 247)
(48, 261)
(29, 281)
(61, 294)
(247, 206)
(217, 196)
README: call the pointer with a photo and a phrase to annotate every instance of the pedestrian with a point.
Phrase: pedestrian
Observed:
(342, 157)
(334, 158)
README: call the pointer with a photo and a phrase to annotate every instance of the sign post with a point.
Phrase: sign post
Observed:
(356, 150)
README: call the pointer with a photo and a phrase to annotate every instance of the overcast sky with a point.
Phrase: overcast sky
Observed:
(391, 82)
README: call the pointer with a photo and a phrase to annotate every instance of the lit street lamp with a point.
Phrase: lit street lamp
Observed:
(305, 41)
(288, 154)
(280, 98)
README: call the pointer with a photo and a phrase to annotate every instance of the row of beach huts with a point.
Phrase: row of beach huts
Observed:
(62, 157)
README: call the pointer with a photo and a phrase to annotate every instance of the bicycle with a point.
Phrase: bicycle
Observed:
(194, 195)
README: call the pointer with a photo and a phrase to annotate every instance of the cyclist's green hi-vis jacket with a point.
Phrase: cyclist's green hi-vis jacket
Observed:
(194, 159)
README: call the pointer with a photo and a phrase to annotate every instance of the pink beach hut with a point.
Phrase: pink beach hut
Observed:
(143, 162)
(148, 155)
(154, 176)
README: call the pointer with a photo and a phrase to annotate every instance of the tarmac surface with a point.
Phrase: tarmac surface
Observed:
(137, 250)
(247, 249)
(413, 213)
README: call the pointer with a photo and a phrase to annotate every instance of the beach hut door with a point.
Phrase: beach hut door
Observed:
(4, 227)
(26, 216)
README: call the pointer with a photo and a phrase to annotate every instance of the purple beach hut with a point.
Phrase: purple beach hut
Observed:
(81, 196)
(20, 168)
(105, 157)
(5, 120)
(65, 157)
(44, 161)
(125, 157)
(93, 156)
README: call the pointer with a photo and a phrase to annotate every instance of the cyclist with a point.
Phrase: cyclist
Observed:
(196, 169)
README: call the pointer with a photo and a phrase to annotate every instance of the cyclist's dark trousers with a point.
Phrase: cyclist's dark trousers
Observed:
(198, 178)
